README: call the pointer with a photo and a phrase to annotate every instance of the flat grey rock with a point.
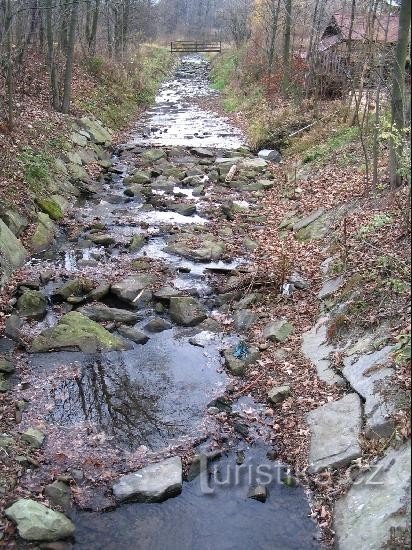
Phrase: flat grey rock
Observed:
(244, 319)
(304, 222)
(154, 483)
(367, 376)
(376, 505)
(335, 429)
(129, 289)
(330, 287)
(101, 312)
(270, 154)
(317, 350)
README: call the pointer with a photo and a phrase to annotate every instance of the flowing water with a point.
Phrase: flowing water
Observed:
(155, 395)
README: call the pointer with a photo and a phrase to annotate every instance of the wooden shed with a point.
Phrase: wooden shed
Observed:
(349, 48)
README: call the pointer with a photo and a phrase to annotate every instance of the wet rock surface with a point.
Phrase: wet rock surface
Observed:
(155, 483)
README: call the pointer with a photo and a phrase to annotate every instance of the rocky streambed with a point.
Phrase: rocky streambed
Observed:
(127, 390)
(152, 373)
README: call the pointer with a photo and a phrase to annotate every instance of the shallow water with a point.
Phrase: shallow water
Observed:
(177, 120)
(223, 520)
(150, 395)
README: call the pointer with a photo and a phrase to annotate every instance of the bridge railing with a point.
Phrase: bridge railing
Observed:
(185, 46)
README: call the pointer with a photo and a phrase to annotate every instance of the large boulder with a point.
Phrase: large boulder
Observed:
(130, 288)
(74, 331)
(32, 304)
(155, 483)
(12, 252)
(377, 507)
(44, 233)
(96, 130)
(14, 221)
(186, 311)
(101, 312)
(35, 522)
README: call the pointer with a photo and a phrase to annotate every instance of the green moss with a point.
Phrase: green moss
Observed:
(76, 331)
(50, 207)
(341, 138)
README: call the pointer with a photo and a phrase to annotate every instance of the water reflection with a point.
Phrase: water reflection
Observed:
(149, 395)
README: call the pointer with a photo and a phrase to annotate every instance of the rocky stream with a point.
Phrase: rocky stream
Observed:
(127, 336)
(129, 365)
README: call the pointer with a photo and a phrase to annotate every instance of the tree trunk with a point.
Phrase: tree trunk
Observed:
(286, 47)
(68, 75)
(54, 81)
(398, 87)
(10, 84)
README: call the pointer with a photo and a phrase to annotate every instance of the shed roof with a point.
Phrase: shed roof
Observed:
(385, 23)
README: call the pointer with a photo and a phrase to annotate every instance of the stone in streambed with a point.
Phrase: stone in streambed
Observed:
(154, 483)
(244, 319)
(35, 522)
(130, 288)
(166, 293)
(259, 493)
(202, 152)
(153, 155)
(58, 493)
(270, 154)
(182, 209)
(35, 438)
(186, 311)
(237, 366)
(139, 177)
(157, 325)
(278, 330)
(32, 304)
(102, 240)
(278, 394)
(101, 312)
(99, 292)
(6, 366)
(75, 331)
(207, 251)
(133, 334)
(138, 241)
(73, 287)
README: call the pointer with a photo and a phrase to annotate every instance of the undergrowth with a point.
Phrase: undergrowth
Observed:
(121, 89)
